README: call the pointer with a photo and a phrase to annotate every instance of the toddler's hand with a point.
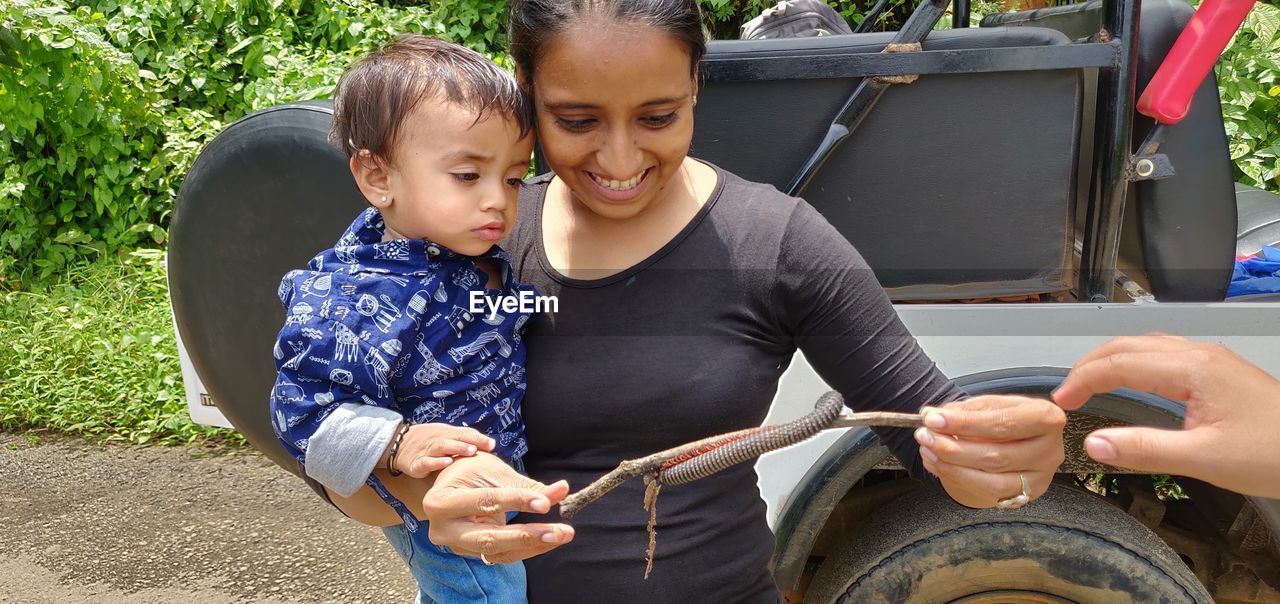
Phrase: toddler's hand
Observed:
(429, 448)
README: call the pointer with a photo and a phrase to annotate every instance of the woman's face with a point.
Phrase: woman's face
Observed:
(615, 113)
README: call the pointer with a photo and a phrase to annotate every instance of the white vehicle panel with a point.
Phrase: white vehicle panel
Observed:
(968, 339)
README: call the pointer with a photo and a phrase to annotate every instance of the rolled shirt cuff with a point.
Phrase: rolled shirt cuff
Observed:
(348, 444)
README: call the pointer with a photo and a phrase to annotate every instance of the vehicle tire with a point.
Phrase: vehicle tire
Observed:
(1068, 546)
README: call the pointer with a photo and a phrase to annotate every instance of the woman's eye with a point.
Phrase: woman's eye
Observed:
(658, 121)
(466, 176)
(575, 125)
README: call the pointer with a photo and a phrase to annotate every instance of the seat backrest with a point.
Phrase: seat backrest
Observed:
(1185, 225)
(263, 197)
(955, 186)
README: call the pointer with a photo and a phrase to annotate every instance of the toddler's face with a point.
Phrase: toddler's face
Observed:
(456, 182)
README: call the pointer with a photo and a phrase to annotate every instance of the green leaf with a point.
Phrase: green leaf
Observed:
(241, 45)
(1265, 21)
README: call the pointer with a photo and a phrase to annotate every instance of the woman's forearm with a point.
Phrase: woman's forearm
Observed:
(367, 508)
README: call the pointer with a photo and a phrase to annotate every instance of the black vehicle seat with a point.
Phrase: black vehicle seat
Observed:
(955, 186)
(261, 199)
(1186, 225)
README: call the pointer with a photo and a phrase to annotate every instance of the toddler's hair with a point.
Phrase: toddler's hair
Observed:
(377, 94)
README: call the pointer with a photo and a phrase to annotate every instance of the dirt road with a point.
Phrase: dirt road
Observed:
(88, 523)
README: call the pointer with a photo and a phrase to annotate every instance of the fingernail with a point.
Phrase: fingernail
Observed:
(924, 437)
(492, 443)
(540, 505)
(447, 461)
(551, 537)
(471, 449)
(929, 455)
(1100, 448)
(935, 419)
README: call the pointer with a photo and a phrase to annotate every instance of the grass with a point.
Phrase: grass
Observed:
(94, 355)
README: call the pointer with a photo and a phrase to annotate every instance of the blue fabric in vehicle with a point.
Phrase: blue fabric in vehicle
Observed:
(1257, 275)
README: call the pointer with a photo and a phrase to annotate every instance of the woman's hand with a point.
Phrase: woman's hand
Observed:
(1231, 433)
(428, 448)
(982, 448)
(468, 504)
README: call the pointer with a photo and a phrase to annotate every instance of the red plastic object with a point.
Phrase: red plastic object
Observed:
(1168, 95)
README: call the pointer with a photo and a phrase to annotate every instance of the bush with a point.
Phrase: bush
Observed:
(94, 354)
(1249, 81)
(106, 104)
(83, 174)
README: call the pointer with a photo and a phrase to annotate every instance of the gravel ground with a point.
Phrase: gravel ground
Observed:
(82, 522)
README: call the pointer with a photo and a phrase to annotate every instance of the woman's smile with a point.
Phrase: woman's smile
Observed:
(620, 190)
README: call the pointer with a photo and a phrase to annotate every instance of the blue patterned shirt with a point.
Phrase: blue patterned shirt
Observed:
(389, 324)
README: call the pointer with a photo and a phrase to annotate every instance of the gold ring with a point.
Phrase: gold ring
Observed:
(1018, 500)
(484, 559)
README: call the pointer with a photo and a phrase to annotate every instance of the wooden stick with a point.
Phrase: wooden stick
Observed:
(632, 468)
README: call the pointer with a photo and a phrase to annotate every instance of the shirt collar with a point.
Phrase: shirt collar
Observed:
(362, 248)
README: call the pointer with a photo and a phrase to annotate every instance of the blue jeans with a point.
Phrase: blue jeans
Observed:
(444, 577)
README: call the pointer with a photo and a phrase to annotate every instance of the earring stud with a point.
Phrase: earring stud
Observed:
(384, 199)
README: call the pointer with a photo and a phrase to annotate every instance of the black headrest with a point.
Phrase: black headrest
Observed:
(263, 197)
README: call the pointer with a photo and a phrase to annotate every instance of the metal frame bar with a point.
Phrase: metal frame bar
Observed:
(960, 14)
(926, 62)
(1113, 144)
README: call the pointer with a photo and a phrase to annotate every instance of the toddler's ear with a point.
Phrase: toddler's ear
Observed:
(372, 178)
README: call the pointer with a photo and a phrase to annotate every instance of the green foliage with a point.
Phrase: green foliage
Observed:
(1249, 81)
(106, 103)
(81, 174)
(94, 354)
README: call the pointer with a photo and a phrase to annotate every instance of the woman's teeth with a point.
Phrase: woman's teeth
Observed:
(619, 185)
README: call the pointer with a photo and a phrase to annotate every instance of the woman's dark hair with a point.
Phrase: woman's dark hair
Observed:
(535, 22)
(378, 93)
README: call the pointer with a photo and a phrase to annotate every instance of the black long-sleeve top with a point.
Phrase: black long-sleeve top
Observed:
(689, 343)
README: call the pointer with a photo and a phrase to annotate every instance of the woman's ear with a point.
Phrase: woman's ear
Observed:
(696, 81)
(372, 178)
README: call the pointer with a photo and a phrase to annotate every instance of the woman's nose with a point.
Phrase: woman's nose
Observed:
(621, 157)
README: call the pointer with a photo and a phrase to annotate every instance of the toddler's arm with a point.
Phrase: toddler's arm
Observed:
(326, 371)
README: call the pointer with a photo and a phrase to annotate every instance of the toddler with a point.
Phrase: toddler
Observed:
(381, 357)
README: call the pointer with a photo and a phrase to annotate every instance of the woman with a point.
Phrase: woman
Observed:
(683, 293)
